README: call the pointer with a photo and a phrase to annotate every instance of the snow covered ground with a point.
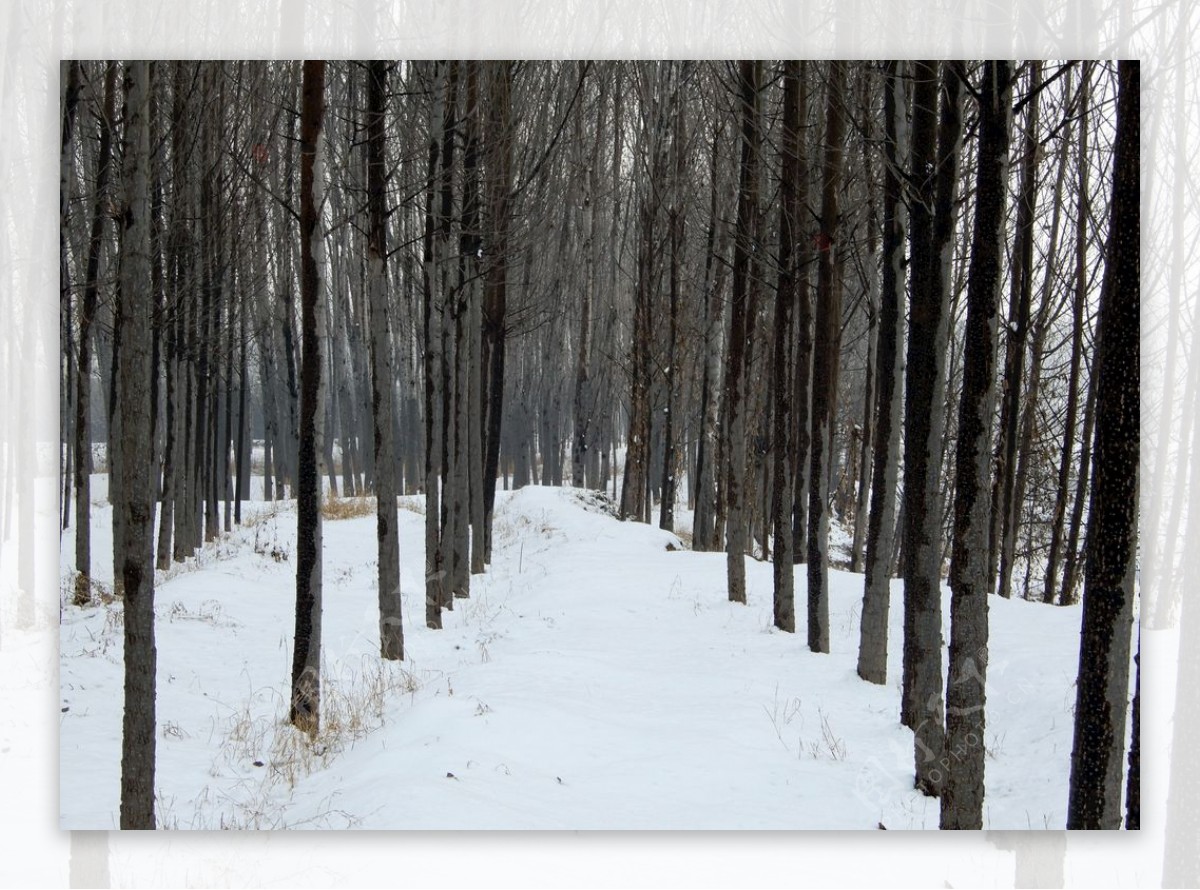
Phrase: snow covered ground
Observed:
(597, 678)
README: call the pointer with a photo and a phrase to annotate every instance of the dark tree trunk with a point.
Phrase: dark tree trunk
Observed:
(785, 298)
(70, 379)
(924, 410)
(450, 513)
(1102, 696)
(458, 504)
(736, 402)
(1069, 595)
(1004, 506)
(135, 559)
(173, 469)
(391, 628)
(802, 386)
(704, 526)
(1133, 786)
(676, 221)
(242, 491)
(962, 795)
(871, 300)
(1058, 520)
(434, 573)
(918, 377)
(473, 248)
(826, 352)
(881, 530)
(635, 498)
(87, 314)
(584, 399)
(495, 329)
(286, 317)
(115, 443)
(305, 711)
(227, 439)
(185, 543)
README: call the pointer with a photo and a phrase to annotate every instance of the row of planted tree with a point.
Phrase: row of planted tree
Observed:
(863, 292)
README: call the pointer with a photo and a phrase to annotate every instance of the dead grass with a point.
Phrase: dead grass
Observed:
(99, 593)
(333, 508)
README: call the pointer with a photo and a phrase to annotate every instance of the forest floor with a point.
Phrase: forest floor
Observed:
(597, 678)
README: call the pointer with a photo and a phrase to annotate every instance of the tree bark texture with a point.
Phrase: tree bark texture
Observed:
(391, 628)
(305, 711)
(881, 527)
(962, 795)
(826, 361)
(136, 557)
(1102, 692)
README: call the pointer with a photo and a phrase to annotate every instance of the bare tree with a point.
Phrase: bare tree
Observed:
(434, 358)
(391, 629)
(87, 312)
(881, 531)
(1004, 506)
(1102, 693)
(789, 212)
(924, 410)
(306, 654)
(134, 555)
(826, 353)
(1077, 329)
(735, 370)
(962, 796)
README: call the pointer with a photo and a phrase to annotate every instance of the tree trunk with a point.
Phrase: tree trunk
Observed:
(1133, 786)
(185, 501)
(635, 500)
(473, 241)
(1077, 322)
(1102, 693)
(584, 398)
(243, 430)
(453, 536)
(87, 313)
(434, 571)
(736, 403)
(705, 483)
(227, 438)
(925, 388)
(962, 795)
(1004, 506)
(70, 379)
(1070, 595)
(802, 386)
(881, 530)
(306, 658)
(785, 298)
(115, 443)
(135, 559)
(871, 381)
(173, 469)
(391, 628)
(826, 352)
(676, 222)
(204, 334)
(495, 331)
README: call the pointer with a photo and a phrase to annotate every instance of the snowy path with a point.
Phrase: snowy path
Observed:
(595, 679)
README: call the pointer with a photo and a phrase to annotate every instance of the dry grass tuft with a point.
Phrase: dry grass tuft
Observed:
(347, 508)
